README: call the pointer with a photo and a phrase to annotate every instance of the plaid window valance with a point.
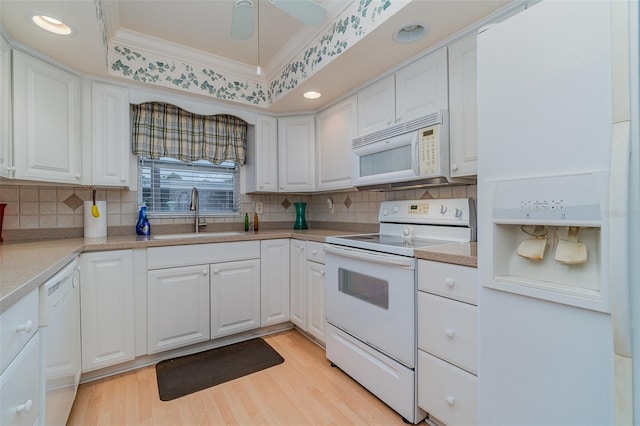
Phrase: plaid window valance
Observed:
(164, 130)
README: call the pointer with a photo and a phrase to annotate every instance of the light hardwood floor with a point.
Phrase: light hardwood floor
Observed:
(304, 390)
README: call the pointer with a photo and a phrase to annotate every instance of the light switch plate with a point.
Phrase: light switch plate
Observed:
(259, 208)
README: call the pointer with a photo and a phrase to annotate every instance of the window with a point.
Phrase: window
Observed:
(164, 186)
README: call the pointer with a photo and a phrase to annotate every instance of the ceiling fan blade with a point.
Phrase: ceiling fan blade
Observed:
(305, 10)
(242, 20)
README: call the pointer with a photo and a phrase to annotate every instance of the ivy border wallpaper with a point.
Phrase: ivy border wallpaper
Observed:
(360, 18)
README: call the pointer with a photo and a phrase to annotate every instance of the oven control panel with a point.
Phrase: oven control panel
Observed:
(449, 211)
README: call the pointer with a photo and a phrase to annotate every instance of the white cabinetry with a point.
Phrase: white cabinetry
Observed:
(447, 341)
(462, 107)
(201, 291)
(296, 154)
(414, 91)
(335, 128)
(261, 168)
(110, 135)
(107, 308)
(421, 87)
(274, 281)
(307, 287)
(177, 307)
(6, 149)
(47, 122)
(20, 386)
(235, 297)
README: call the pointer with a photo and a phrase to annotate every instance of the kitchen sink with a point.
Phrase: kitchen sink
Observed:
(198, 235)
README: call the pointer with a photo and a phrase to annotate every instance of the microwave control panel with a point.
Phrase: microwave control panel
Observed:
(429, 150)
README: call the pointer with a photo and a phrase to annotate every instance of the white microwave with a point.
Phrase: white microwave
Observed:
(413, 153)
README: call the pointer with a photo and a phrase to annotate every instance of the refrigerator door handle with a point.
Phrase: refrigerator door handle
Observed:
(619, 238)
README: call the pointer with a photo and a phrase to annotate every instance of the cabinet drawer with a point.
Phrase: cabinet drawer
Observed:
(17, 325)
(446, 392)
(315, 252)
(20, 387)
(195, 254)
(448, 330)
(453, 281)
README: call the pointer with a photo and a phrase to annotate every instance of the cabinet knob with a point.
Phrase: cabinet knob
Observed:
(78, 176)
(205, 272)
(26, 407)
(450, 333)
(282, 187)
(454, 167)
(123, 180)
(450, 282)
(27, 327)
(322, 273)
(216, 271)
(450, 400)
(301, 248)
(314, 253)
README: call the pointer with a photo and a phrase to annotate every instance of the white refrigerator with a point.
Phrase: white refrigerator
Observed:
(559, 216)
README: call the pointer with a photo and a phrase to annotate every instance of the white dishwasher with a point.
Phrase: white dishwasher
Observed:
(60, 343)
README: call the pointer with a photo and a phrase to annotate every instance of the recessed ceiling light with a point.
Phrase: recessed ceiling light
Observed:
(312, 95)
(410, 32)
(51, 24)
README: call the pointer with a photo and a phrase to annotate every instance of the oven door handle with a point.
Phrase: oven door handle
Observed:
(371, 256)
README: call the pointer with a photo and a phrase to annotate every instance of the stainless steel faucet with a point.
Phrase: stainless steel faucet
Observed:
(195, 206)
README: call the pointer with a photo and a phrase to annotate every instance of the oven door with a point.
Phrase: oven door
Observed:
(371, 296)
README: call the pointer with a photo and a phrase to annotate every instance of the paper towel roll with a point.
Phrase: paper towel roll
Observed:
(95, 227)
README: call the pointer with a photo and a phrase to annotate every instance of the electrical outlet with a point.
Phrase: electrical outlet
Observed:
(259, 208)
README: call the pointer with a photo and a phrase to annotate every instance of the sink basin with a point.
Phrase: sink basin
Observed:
(198, 235)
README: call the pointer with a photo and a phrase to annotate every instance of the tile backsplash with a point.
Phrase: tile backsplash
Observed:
(50, 211)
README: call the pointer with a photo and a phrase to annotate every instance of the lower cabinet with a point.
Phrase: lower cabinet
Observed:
(307, 287)
(177, 307)
(106, 308)
(209, 291)
(235, 297)
(447, 341)
(274, 281)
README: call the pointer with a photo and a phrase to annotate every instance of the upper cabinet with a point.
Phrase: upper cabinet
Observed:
(296, 153)
(462, 107)
(335, 128)
(414, 91)
(261, 167)
(47, 122)
(110, 135)
(421, 88)
(6, 156)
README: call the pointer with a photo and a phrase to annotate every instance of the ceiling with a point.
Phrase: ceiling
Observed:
(198, 32)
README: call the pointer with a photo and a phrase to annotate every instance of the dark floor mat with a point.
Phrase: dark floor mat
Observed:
(187, 374)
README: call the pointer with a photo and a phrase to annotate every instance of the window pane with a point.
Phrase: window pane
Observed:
(166, 186)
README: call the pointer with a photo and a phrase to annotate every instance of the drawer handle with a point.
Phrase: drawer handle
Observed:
(450, 282)
(450, 400)
(27, 327)
(26, 407)
(450, 333)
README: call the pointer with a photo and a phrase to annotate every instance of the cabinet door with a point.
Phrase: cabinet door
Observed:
(110, 135)
(106, 308)
(421, 87)
(6, 156)
(296, 153)
(235, 297)
(20, 387)
(335, 128)
(47, 119)
(298, 283)
(376, 107)
(463, 109)
(315, 300)
(274, 281)
(261, 168)
(177, 307)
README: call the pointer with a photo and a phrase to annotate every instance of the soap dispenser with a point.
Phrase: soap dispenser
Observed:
(143, 227)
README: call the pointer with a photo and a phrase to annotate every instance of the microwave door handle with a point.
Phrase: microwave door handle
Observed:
(416, 157)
